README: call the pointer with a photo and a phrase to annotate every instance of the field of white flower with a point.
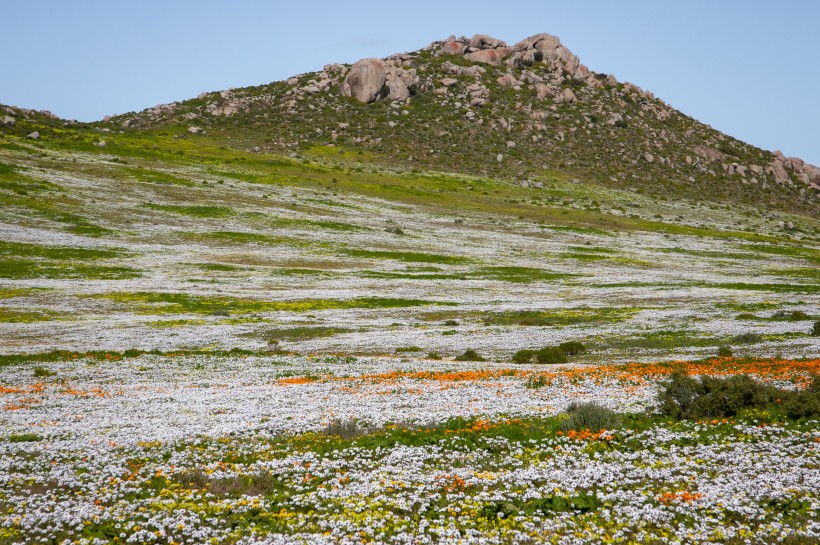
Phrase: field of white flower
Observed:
(205, 345)
(287, 449)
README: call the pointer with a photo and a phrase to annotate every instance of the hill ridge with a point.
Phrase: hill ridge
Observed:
(480, 106)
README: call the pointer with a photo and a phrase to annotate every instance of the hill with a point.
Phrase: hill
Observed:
(467, 195)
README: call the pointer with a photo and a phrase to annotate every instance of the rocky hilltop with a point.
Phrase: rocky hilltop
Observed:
(481, 106)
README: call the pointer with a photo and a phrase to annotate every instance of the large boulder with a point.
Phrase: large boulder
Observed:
(365, 80)
(398, 90)
(489, 56)
(452, 47)
(545, 42)
(540, 42)
(482, 41)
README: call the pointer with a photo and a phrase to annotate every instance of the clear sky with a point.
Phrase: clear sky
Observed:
(749, 68)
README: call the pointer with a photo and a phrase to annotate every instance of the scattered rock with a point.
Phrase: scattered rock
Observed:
(34, 135)
(499, 157)
(482, 41)
(568, 96)
(196, 130)
(8, 120)
(398, 90)
(452, 47)
(448, 82)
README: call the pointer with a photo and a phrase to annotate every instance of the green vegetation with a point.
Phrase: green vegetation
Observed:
(546, 355)
(24, 438)
(709, 397)
(23, 250)
(560, 317)
(412, 257)
(177, 303)
(590, 416)
(198, 211)
(42, 372)
(26, 268)
(302, 333)
(469, 355)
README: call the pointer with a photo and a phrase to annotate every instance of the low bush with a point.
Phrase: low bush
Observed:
(524, 356)
(550, 354)
(546, 355)
(725, 352)
(571, 348)
(746, 316)
(747, 338)
(709, 397)
(792, 316)
(470, 355)
(591, 416)
(815, 332)
(345, 428)
(42, 372)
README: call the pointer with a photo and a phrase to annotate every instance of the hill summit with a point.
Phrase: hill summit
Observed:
(481, 106)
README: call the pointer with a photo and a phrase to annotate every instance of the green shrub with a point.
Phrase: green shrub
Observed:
(725, 352)
(403, 349)
(42, 372)
(805, 404)
(685, 397)
(747, 338)
(571, 348)
(24, 438)
(746, 316)
(815, 331)
(591, 416)
(345, 428)
(524, 356)
(792, 316)
(550, 354)
(470, 355)
(433, 356)
(678, 394)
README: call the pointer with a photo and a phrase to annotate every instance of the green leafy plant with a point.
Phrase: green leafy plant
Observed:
(42, 372)
(571, 348)
(470, 355)
(591, 416)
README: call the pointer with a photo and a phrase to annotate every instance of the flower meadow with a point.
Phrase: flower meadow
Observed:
(254, 449)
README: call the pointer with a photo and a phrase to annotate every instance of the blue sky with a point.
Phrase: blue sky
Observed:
(748, 68)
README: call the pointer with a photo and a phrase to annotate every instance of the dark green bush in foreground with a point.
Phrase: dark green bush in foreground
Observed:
(710, 397)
